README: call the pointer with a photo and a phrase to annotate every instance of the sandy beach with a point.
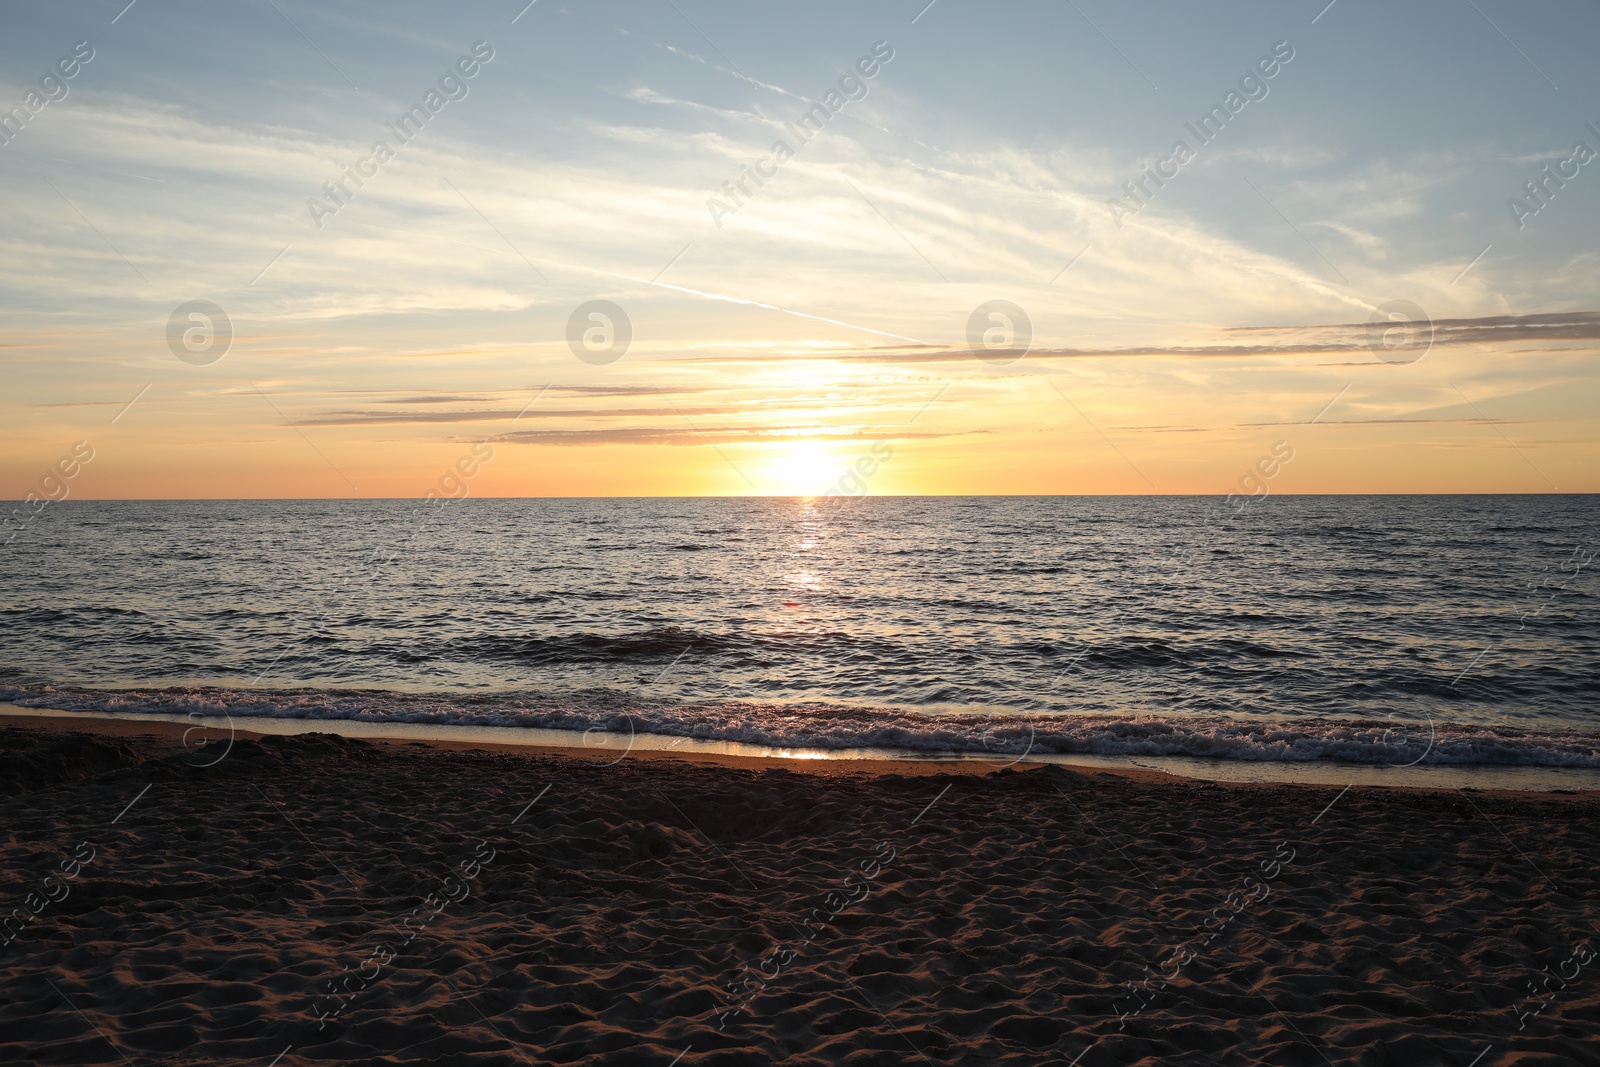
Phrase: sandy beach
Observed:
(834, 534)
(317, 899)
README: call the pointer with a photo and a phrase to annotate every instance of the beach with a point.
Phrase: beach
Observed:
(313, 898)
(475, 590)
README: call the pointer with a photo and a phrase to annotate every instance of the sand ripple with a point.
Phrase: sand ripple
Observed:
(371, 904)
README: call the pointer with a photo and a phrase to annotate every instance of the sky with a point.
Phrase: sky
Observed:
(944, 281)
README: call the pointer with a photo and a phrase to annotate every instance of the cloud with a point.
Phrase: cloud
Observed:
(566, 390)
(656, 435)
(799, 402)
(1391, 422)
(627, 390)
(369, 418)
(1537, 325)
(1346, 337)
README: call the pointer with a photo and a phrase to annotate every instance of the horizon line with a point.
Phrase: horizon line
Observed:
(776, 496)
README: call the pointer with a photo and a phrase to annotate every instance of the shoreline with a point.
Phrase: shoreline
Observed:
(173, 730)
(1316, 750)
(131, 726)
(137, 727)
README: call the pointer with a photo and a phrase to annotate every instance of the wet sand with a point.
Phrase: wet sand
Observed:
(322, 899)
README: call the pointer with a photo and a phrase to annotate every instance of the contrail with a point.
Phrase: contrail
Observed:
(731, 300)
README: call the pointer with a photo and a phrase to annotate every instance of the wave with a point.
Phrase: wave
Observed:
(814, 726)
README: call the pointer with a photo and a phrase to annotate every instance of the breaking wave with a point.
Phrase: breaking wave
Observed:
(817, 726)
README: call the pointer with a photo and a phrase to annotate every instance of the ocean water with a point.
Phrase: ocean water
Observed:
(1391, 630)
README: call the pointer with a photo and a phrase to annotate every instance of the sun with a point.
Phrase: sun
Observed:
(801, 468)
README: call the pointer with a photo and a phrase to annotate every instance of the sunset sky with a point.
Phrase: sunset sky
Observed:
(776, 336)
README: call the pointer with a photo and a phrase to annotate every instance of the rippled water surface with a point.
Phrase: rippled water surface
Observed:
(1367, 628)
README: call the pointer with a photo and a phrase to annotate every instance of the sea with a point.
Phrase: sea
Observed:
(1285, 632)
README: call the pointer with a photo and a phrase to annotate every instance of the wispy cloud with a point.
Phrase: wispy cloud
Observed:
(656, 435)
(1311, 339)
(391, 418)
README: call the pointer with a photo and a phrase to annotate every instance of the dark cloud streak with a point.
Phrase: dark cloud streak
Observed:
(1343, 338)
(657, 435)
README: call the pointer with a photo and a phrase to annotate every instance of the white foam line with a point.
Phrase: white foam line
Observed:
(1330, 747)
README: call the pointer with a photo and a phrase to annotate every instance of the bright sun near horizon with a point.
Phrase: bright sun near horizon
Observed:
(684, 533)
(633, 249)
